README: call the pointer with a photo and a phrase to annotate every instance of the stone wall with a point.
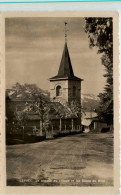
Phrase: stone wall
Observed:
(64, 86)
(67, 90)
(77, 85)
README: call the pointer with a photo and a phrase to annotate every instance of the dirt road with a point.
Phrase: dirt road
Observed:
(83, 159)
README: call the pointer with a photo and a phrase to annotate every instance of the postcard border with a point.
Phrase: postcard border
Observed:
(64, 190)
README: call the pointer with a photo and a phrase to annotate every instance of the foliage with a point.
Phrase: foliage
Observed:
(100, 34)
(10, 116)
(36, 101)
(9, 110)
(75, 108)
(72, 109)
(21, 117)
(40, 106)
(60, 110)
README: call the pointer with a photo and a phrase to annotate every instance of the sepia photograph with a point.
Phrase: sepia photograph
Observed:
(59, 101)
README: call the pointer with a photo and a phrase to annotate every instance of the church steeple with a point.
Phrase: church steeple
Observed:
(65, 69)
(65, 32)
(65, 86)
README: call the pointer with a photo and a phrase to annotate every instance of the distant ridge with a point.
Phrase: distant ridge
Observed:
(89, 102)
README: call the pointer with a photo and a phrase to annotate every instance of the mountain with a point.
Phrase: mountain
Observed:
(89, 102)
(25, 92)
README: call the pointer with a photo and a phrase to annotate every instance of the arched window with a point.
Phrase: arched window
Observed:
(74, 91)
(58, 90)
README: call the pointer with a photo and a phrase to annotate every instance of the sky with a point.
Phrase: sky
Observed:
(34, 49)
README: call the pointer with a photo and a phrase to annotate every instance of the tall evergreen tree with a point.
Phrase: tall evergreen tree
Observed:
(100, 34)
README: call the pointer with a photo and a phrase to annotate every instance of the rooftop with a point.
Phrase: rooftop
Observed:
(65, 70)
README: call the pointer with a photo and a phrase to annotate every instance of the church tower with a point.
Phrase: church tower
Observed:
(65, 86)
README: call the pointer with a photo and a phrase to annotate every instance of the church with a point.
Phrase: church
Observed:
(65, 86)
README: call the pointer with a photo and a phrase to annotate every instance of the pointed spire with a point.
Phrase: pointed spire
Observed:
(65, 69)
(66, 32)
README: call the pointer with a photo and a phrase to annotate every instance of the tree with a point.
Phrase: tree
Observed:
(71, 109)
(10, 115)
(100, 34)
(75, 108)
(21, 118)
(36, 101)
(67, 110)
(9, 111)
(40, 106)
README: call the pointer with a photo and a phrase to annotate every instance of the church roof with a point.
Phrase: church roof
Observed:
(65, 70)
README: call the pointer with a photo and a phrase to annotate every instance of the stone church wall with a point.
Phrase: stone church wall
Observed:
(77, 85)
(67, 90)
(64, 86)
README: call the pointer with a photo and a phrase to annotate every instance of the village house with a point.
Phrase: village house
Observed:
(92, 122)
